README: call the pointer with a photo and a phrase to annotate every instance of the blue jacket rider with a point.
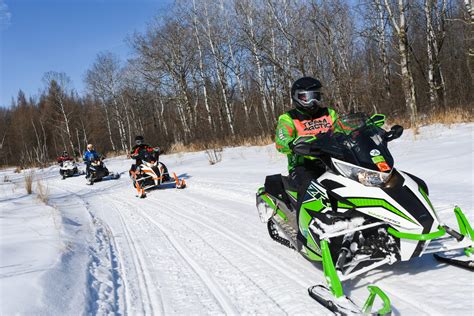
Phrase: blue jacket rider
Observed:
(90, 155)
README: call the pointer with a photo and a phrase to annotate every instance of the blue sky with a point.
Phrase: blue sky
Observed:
(37, 36)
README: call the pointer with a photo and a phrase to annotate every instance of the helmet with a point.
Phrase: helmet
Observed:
(90, 147)
(139, 140)
(306, 93)
(65, 154)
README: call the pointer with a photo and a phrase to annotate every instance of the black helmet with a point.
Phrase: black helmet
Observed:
(139, 140)
(65, 154)
(306, 93)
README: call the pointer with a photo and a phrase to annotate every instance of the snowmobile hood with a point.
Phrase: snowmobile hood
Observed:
(398, 202)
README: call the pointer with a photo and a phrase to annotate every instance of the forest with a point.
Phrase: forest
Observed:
(218, 73)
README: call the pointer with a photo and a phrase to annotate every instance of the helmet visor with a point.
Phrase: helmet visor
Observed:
(138, 142)
(309, 98)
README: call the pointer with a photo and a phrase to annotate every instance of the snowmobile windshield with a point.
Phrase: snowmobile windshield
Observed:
(148, 156)
(360, 143)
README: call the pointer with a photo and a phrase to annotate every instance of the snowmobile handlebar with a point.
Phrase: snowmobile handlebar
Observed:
(395, 132)
(312, 146)
(306, 149)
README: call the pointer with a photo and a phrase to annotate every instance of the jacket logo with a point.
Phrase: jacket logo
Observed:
(316, 124)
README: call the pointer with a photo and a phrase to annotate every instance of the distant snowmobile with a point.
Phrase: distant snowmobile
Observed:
(68, 168)
(360, 214)
(153, 174)
(98, 172)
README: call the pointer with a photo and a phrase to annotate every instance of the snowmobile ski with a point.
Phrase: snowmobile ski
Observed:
(344, 306)
(468, 264)
(340, 306)
(180, 183)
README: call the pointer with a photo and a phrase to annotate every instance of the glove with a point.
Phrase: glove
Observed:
(157, 150)
(303, 148)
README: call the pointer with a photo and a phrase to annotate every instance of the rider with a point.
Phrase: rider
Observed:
(310, 117)
(90, 155)
(65, 156)
(139, 150)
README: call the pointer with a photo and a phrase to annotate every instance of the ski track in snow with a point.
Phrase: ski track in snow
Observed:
(202, 250)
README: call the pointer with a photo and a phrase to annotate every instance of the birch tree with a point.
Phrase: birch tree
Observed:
(399, 24)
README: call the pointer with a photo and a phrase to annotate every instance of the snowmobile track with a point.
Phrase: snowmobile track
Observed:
(219, 294)
(229, 266)
(142, 275)
(214, 288)
(177, 267)
(262, 258)
(239, 241)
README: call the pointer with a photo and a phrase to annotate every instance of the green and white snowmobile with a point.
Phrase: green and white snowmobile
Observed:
(362, 213)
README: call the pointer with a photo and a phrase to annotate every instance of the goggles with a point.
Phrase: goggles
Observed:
(308, 98)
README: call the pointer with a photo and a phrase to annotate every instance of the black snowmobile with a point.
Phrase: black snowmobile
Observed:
(98, 171)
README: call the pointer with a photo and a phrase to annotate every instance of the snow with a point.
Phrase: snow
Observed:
(203, 250)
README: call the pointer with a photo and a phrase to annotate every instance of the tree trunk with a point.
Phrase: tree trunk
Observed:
(201, 70)
(109, 129)
(400, 28)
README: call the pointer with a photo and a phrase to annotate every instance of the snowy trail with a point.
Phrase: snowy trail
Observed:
(203, 250)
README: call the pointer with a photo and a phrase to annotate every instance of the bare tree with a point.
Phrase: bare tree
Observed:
(58, 83)
(103, 80)
(399, 25)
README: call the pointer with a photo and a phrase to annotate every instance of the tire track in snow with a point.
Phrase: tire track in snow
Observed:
(223, 300)
(235, 237)
(229, 265)
(147, 304)
(277, 293)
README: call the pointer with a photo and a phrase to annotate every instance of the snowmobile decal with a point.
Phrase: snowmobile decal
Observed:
(426, 197)
(378, 159)
(361, 202)
(292, 194)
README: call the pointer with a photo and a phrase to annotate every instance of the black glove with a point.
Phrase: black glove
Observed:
(303, 148)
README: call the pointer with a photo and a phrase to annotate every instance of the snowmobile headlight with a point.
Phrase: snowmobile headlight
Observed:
(367, 177)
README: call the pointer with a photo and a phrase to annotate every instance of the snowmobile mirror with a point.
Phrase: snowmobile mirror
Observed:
(395, 132)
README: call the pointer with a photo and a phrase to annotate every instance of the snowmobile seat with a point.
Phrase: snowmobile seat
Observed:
(274, 186)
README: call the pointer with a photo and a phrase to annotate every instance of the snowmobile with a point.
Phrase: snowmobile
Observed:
(98, 171)
(360, 214)
(68, 168)
(152, 174)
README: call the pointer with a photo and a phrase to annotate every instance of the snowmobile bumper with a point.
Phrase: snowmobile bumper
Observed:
(445, 238)
(264, 203)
